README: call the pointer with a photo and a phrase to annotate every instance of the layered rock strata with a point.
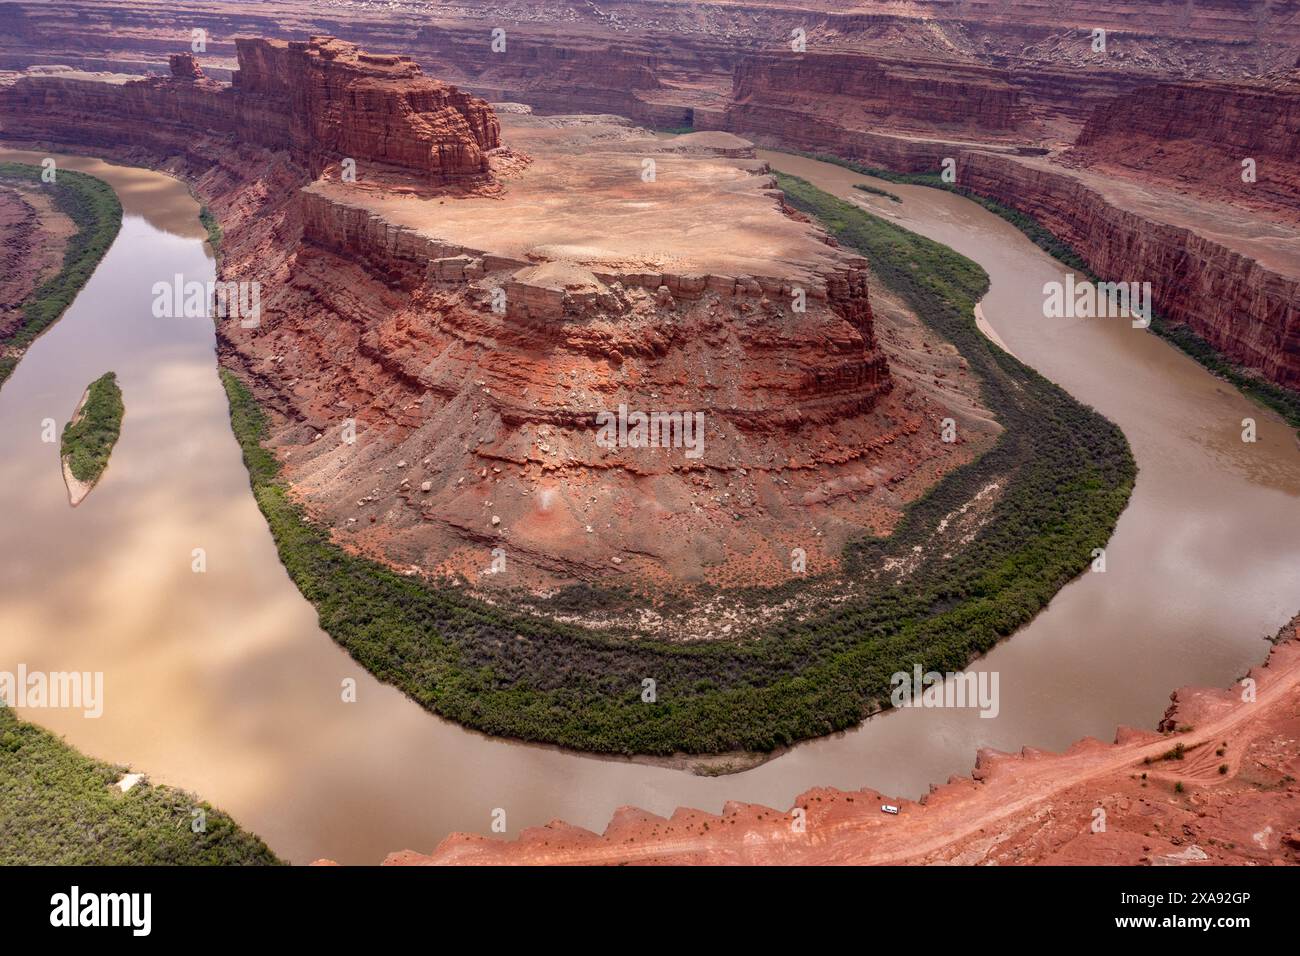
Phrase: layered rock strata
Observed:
(341, 102)
(1233, 281)
(488, 339)
(321, 100)
(855, 91)
(672, 63)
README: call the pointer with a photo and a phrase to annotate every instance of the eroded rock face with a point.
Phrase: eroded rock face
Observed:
(184, 66)
(478, 345)
(671, 63)
(341, 102)
(856, 91)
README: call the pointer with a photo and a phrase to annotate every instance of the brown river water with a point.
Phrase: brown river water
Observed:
(222, 682)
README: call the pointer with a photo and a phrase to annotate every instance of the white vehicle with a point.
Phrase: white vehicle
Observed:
(888, 808)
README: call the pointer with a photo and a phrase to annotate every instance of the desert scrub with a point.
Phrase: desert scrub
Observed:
(213, 226)
(59, 807)
(95, 210)
(89, 438)
(1065, 474)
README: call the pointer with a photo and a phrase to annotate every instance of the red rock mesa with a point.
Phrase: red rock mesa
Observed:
(476, 312)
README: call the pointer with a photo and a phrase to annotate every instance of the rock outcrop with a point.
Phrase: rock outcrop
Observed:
(322, 100)
(184, 67)
(486, 340)
(339, 102)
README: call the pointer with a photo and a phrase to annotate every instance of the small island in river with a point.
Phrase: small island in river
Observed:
(89, 438)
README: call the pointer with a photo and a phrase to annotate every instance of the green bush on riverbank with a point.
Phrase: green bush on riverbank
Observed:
(89, 438)
(1064, 474)
(94, 208)
(60, 808)
(213, 226)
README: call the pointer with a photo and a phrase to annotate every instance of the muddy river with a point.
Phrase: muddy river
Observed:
(222, 683)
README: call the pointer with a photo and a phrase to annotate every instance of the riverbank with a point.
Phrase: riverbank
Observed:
(1285, 401)
(95, 209)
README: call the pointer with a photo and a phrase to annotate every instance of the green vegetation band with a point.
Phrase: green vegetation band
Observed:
(60, 808)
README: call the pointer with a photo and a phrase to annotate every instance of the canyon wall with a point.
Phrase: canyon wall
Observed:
(1196, 135)
(660, 62)
(1243, 307)
(856, 91)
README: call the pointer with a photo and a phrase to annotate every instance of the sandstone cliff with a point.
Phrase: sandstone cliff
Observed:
(1230, 281)
(856, 91)
(1195, 136)
(340, 102)
(477, 425)
(672, 62)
